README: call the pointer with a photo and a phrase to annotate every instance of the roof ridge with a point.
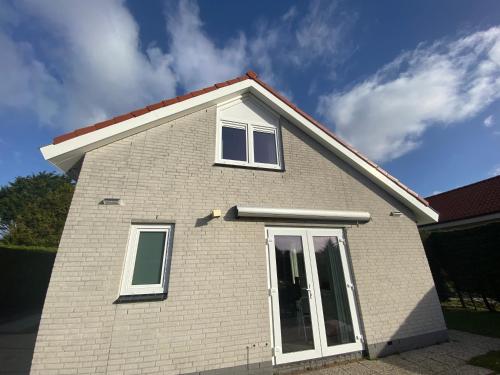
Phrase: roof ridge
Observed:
(463, 187)
(250, 74)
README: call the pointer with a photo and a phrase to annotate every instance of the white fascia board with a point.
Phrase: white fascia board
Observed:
(79, 145)
(293, 213)
(424, 214)
(65, 154)
(462, 222)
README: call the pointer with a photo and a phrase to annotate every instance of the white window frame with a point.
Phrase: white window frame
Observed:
(250, 128)
(225, 120)
(126, 288)
(234, 125)
(264, 129)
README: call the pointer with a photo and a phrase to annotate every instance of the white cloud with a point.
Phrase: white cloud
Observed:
(289, 14)
(319, 35)
(495, 171)
(27, 85)
(87, 63)
(95, 52)
(320, 32)
(261, 47)
(386, 115)
(196, 60)
(435, 192)
(488, 121)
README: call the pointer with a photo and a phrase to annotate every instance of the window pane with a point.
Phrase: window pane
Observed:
(336, 311)
(295, 312)
(234, 144)
(264, 147)
(149, 258)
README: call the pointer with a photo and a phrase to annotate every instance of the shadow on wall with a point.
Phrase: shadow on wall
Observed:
(426, 317)
(17, 342)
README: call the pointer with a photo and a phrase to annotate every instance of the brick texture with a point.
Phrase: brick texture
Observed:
(216, 314)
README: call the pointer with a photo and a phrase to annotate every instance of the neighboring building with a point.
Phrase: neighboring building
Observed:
(226, 231)
(462, 248)
(467, 206)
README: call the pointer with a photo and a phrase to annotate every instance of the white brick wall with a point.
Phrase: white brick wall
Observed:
(217, 297)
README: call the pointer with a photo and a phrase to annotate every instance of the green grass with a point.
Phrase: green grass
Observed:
(454, 303)
(479, 322)
(490, 360)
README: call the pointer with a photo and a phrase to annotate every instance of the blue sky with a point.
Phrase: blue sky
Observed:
(413, 85)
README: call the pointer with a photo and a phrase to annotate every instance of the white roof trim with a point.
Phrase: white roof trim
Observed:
(423, 213)
(65, 154)
(462, 222)
(294, 213)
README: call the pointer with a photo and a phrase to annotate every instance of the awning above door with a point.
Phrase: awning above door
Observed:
(295, 213)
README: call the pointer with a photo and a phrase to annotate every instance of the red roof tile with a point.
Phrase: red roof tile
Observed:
(249, 75)
(142, 111)
(478, 199)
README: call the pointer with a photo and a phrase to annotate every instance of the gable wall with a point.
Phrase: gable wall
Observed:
(217, 303)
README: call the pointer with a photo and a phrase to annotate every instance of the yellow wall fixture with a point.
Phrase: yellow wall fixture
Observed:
(216, 213)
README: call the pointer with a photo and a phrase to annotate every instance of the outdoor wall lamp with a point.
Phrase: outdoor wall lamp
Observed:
(112, 202)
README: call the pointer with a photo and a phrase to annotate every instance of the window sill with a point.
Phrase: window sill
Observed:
(141, 298)
(274, 168)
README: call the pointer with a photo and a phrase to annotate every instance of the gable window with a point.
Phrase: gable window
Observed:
(234, 142)
(146, 260)
(265, 146)
(247, 144)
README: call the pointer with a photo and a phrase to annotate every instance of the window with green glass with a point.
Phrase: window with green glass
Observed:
(149, 258)
(146, 260)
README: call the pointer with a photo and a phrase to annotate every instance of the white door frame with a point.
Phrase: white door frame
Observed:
(317, 319)
(344, 348)
(279, 356)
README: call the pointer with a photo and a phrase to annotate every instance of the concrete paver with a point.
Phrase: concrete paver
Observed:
(447, 358)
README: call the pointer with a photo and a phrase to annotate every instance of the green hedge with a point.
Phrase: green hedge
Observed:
(24, 276)
(469, 258)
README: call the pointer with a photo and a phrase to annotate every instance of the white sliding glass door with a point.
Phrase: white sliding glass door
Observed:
(313, 308)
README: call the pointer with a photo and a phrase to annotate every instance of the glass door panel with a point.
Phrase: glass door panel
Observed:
(313, 308)
(295, 309)
(332, 285)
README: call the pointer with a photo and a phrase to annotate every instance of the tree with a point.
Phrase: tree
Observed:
(33, 209)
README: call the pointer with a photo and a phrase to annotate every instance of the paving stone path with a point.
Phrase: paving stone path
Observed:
(448, 358)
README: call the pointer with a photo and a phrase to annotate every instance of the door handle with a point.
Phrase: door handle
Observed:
(309, 291)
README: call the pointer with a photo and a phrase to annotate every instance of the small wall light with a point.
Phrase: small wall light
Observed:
(112, 202)
(396, 213)
(216, 213)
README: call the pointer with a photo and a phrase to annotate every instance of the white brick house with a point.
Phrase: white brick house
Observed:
(226, 231)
